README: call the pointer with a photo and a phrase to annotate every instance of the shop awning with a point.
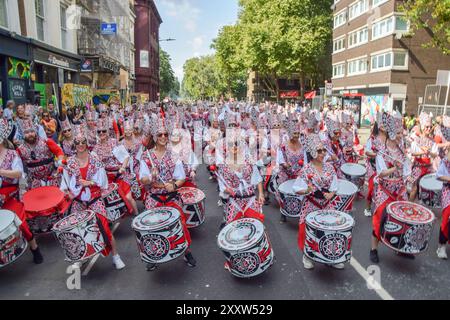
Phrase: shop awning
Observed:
(289, 94)
(310, 95)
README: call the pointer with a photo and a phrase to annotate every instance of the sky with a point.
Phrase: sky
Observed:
(194, 24)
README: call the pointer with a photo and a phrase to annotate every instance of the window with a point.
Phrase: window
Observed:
(357, 66)
(400, 60)
(401, 24)
(382, 28)
(382, 61)
(40, 19)
(339, 19)
(3, 14)
(339, 45)
(376, 3)
(63, 10)
(358, 37)
(339, 70)
(358, 9)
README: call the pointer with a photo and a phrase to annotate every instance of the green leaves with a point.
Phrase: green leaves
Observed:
(169, 84)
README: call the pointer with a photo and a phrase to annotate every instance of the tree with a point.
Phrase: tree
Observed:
(201, 78)
(169, 84)
(434, 17)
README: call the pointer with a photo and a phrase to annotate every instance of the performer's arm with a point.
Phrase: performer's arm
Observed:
(442, 174)
(55, 149)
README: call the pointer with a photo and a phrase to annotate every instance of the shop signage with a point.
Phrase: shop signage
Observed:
(17, 89)
(49, 58)
(109, 29)
(87, 65)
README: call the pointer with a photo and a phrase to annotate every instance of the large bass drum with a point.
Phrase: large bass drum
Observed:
(291, 203)
(408, 227)
(12, 242)
(246, 247)
(329, 236)
(159, 234)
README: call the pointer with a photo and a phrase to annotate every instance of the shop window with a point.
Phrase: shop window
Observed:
(3, 14)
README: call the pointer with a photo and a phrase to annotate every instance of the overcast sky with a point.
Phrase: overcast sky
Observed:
(194, 24)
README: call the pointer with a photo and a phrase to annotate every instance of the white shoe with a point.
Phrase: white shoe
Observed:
(368, 212)
(441, 252)
(307, 263)
(118, 262)
(220, 203)
(338, 266)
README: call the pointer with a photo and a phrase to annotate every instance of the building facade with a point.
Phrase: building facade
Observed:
(147, 25)
(377, 63)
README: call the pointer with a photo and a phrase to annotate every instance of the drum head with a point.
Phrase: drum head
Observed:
(241, 234)
(430, 182)
(156, 219)
(111, 187)
(6, 220)
(353, 169)
(73, 220)
(411, 213)
(191, 195)
(330, 220)
(346, 188)
(287, 187)
(42, 199)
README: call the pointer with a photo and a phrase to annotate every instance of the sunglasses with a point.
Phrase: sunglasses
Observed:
(321, 150)
(102, 131)
(163, 135)
(136, 129)
(79, 143)
(67, 130)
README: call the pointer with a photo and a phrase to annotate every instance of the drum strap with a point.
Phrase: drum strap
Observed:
(88, 204)
(170, 197)
(39, 163)
(103, 232)
(317, 204)
(390, 195)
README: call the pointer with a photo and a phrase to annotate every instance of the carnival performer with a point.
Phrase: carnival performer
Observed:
(374, 144)
(11, 170)
(239, 179)
(162, 177)
(331, 140)
(116, 161)
(318, 182)
(38, 155)
(91, 122)
(349, 138)
(111, 123)
(84, 178)
(66, 138)
(392, 168)
(423, 150)
(443, 174)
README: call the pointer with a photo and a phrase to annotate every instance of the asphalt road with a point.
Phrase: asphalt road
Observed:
(426, 277)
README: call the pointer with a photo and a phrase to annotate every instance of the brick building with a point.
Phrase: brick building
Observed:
(375, 59)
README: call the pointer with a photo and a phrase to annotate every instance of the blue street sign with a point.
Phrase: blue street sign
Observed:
(109, 28)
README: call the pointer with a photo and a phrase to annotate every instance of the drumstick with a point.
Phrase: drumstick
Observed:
(153, 166)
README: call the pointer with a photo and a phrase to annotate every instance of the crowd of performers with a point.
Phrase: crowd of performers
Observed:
(150, 151)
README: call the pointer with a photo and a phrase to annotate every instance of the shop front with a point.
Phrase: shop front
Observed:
(15, 59)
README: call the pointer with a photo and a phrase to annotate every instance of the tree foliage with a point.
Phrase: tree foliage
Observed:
(433, 16)
(169, 84)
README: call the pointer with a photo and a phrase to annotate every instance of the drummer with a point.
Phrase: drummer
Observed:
(392, 168)
(443, 174)
(116, 161)
(11, 170)
(66, 138)
(163, 176)
(331, 142)
(38, 156)
(319, 183)
(84, 178)
(423, 149)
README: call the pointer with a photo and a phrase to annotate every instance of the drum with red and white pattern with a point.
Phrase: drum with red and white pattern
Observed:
(345, 195)
(159, 234)
(246, 247)
(354, 173)
(329, 236)
(116, 207)
(291, 203)
(193, 206)
(12, 242)
(408, 227)
(44, 207)
(80, 236)
(430, 191)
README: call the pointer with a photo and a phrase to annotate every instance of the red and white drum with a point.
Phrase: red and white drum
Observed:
(193, 206)
(160, 235)
(116, 207)
(430, 191)
(44, 207)
(291, 203)
(355, 173)
(345, 195)
(80, 236)
(12, 242)
(329, 236)
(408, 227)
(246, 247)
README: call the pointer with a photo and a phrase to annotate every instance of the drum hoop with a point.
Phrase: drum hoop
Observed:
(45, 211)
(354, 165)
(242, 248)
(389, 211)
(164, 226)
(315, 227)
(428, 189)
(350, 184)
(91, 215)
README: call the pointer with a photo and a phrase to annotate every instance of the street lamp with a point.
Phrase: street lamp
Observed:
(169, 39)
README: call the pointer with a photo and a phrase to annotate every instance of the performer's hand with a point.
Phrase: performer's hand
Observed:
(155, 173)
(334, 158)
(328, 195)
(193, 174)
(261, 198)
(169, 187)
(85, 183)
(122, 170)
(229, 191)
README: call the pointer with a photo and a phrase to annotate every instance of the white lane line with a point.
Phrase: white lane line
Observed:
(94, 260)
(366, 276)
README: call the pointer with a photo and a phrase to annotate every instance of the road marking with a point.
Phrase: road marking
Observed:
(94, 260)
(366, 276)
